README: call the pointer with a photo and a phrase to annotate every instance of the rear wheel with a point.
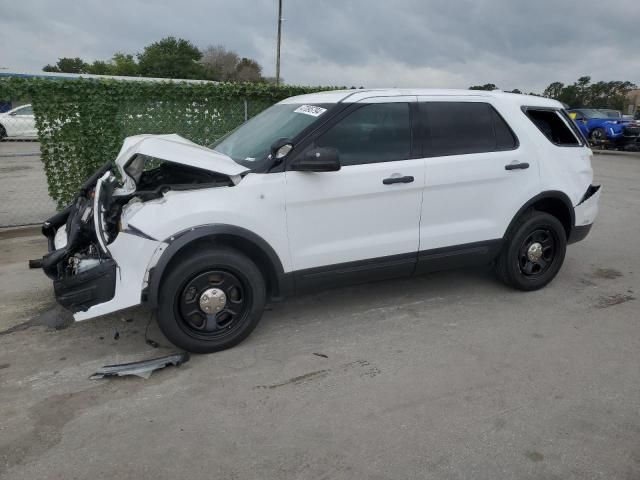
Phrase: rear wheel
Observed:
(533, 253)
(211, 300)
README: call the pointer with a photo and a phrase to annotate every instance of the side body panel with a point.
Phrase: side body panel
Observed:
(256, 204)
(472, 197)
(351, 215)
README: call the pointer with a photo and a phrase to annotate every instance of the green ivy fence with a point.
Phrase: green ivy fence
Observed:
(81, 123)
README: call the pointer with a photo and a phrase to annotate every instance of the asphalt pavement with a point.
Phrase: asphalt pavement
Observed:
(446, 376)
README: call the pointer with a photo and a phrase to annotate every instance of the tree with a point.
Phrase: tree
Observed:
(219, 63)
(554, 90)
(227, 66)
(248, 70)
(486, 86)
(100, 67)
(124, 64)
(583, 93)
(170, 58)
(68, 65)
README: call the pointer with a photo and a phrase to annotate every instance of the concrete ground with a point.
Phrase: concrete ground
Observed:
(446, 376)
(23, 185)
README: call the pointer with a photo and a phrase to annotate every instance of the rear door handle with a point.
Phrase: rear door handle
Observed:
(391, 180)
(517, 166)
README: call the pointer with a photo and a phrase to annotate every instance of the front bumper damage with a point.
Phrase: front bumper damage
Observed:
(88, 281)
(98, 263)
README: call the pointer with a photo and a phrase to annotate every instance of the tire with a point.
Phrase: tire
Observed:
(597, 136)
(3, 133)
(518, 264)
(200, 278)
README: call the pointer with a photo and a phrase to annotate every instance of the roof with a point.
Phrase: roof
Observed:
(353, 96)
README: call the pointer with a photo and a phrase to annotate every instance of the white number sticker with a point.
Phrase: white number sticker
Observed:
(310, 110)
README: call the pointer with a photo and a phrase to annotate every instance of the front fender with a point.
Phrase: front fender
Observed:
(177, 242)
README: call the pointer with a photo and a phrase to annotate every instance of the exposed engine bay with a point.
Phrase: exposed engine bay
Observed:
(79, 260)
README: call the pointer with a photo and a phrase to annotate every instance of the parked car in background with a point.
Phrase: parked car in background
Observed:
(601, 129)
(613, 114)
(18, 123)
(318, 191)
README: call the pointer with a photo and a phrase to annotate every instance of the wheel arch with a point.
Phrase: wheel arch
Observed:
(553, 202)
(243, 240)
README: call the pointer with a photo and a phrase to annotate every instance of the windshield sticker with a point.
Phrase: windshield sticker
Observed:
(310, 110)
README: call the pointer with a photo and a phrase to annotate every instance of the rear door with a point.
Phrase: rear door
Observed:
(477, 174)
(361, 220)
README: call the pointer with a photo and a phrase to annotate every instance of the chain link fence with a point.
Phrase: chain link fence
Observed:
(24, 197)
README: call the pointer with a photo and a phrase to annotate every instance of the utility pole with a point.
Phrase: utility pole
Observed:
(278, 47)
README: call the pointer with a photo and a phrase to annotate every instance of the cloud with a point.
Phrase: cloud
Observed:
(426, 43)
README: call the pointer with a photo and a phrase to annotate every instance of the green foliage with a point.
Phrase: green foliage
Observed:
(68, 65)
(486, 86)
(171, 58)
(124, 64)
(583, 93)
(82, 123)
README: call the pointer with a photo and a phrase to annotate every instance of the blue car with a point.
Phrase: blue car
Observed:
(601, 129)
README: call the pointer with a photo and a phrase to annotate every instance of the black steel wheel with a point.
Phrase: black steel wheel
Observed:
(212, 304)
(537, 252)
(533, 252)
(211, 300)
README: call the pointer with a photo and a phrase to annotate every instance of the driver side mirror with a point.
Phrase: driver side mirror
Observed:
(319, 159)
(281, 148)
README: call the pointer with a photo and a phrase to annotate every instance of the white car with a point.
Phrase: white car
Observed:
(318, 191)
(18, 123)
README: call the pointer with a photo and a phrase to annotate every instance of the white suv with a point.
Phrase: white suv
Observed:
(323, 190)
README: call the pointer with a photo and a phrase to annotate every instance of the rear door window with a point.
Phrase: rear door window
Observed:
(457, 128)
(554, 126)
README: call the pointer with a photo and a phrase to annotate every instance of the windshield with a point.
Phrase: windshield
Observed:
(250, 143)
(611, 113)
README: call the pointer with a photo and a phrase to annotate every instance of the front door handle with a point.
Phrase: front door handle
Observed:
(391, 180)
(517, 166)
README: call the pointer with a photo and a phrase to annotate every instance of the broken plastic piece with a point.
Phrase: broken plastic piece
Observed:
(143, 368)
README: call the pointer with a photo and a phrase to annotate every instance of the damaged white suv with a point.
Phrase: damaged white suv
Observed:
(323, 190)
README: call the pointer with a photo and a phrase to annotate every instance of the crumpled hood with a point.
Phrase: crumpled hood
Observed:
(176, 149)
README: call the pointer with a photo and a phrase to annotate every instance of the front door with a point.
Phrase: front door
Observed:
(362, 221)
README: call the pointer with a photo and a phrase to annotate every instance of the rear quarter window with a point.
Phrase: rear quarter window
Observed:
(553, 126)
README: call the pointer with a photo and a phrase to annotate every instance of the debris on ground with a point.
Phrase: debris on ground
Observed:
(143, 368)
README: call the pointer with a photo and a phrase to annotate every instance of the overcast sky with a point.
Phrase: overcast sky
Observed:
(523, 44)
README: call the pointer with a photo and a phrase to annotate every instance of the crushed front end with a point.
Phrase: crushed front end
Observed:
(97, 261)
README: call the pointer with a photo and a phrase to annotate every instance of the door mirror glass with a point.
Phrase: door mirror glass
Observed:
(320, 159)
(281, 148)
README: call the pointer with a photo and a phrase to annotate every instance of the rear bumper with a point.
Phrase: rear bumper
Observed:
(579, 233)
(585, 214)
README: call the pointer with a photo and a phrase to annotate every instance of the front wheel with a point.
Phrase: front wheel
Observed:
(533, 253)
(211, 300)
(597, 137)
